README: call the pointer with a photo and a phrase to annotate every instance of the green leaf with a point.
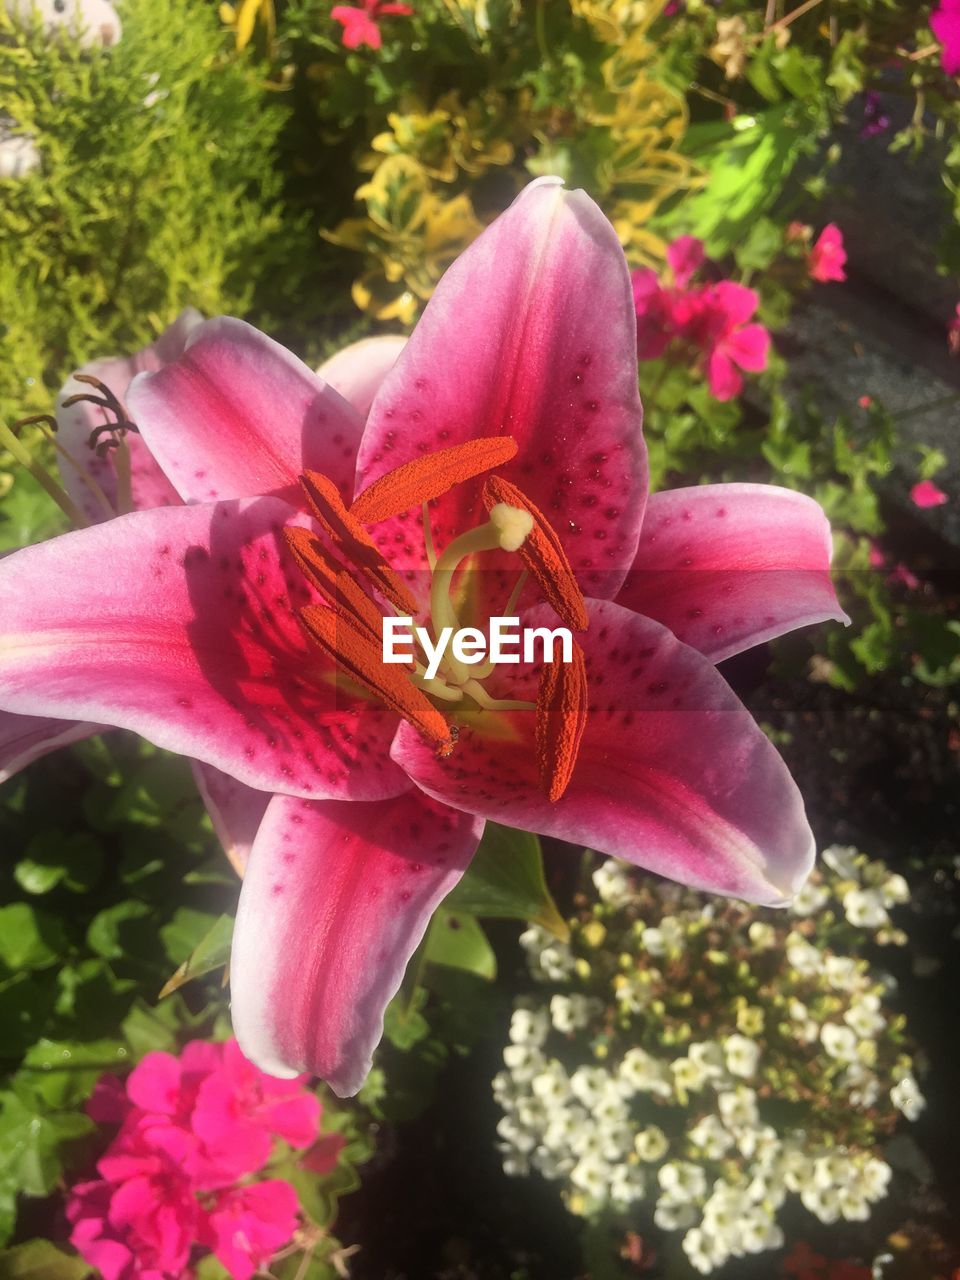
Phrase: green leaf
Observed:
(506, 881)
(52, 858)
(147, 1027)
(30, 939)
(8, 1212)
(112, 930)
(457, 941)
(63, 1072)
(41, 1260)
(30, 1140)
(211, 952)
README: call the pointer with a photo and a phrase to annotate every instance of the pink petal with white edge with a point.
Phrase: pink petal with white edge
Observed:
(334, 902)
(235, 810)
(148, 485)
(179, 623)
(24, 739)
(531, 333)
(239, 415)
(728, 566)
(357, 371)
(673, 774)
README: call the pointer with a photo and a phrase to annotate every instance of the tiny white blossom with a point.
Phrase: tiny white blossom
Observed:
(742, 1055)
(864, 1016)
(843, 860)
(809, 899)
(591, 1175)
(843, 973)
(612, 883)
(588, 1085)
(709, 1055)
(682, 1181)
(864, 909)
(702, 1251)
(806, 959)
(711, 1137)
(907, 1098)
(671, 1216)
(839, 1042)
(529, 1026)
(523, 1061)
(823, 1202)
(895, 891)
(738, 1108)
(641, 1072)
(688, 1074)
(651, 1143)
(627, 1184)
(875, 1178)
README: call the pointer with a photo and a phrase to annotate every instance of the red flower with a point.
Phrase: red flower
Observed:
(360, 21)
(925, 494)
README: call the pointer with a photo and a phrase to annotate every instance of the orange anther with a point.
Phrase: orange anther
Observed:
(362, 659)
(338, 587)
(352, 540)
(543, 555)
(561, 720)
(430, 476)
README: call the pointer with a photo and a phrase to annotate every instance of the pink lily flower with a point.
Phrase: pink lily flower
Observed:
(359, 22)
(203, 626)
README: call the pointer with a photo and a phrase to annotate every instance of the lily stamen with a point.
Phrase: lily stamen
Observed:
(561, 720)
(429, 477)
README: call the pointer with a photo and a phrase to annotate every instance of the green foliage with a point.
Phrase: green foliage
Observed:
(157, 189)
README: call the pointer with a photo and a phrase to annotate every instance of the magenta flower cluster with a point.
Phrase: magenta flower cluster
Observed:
(178, 1179)
(708, 323)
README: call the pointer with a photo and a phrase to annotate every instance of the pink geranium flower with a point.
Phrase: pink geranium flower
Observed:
(360, 22)
(945, 24)
(232, 629)
(925, 494)
(247, 1225)
(718, 326)
(828, 256)
(191, 1127)
(706, 324)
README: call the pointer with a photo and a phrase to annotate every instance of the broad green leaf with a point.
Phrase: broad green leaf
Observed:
(457, 941)
(111, 930)
(30, 1139)
(52, 857)
(148, 1027)
(30, 939)
(505, 881)
(63, 1072)
(41, 1260)
(211, 952)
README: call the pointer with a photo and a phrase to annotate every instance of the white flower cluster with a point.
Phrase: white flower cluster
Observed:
(865, 889)
(682, 1129)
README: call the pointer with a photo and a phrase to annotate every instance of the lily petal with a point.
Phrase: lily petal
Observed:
(334, 902)
(728, 566)
(148, 485)
(530, 333)
(239, 415)
(179, 623)
(673, 774)
(357, 371)
(24, 739)
(236, 811)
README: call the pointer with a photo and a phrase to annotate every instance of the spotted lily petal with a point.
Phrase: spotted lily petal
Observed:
(727, 566)
(672, 773)
(235, 810)
(24, 739)
(335, 899)
(239, 415)
(530, 333)
(356, 371)
(179, 623)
